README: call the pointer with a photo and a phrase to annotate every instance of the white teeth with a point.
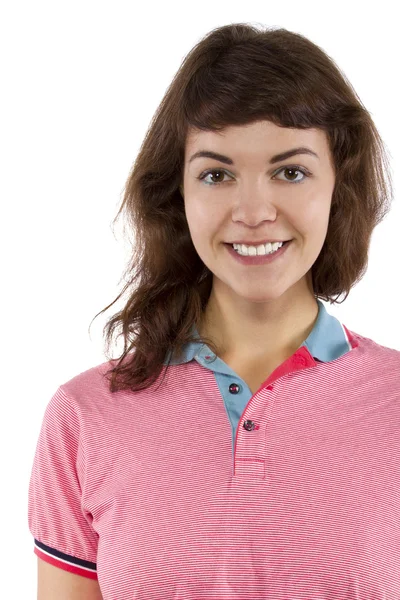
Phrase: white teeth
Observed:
(257, 250)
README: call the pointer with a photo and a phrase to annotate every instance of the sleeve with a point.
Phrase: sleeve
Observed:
(62, 530)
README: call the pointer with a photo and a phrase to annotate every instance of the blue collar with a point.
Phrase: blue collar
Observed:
(327, 341)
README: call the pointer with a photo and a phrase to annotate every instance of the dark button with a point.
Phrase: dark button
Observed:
(234, 388)
(248, 425)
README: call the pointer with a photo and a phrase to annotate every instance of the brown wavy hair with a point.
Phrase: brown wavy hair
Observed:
(237, 74)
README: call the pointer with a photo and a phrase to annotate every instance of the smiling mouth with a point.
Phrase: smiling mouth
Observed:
(284, 243)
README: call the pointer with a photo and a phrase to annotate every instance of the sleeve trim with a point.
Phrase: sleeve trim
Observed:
(67, 562)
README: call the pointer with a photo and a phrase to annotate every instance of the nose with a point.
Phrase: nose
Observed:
(254, 205)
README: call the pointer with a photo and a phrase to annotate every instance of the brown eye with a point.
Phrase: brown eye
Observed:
(213, 173)
(217, 175)
(293, 171)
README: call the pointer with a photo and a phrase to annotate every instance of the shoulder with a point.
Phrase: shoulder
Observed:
(375, 357)
(372, 346)
(88, 382)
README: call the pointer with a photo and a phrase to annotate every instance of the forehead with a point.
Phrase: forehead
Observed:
(260, 137)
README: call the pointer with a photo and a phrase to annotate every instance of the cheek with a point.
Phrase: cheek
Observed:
(197, 227)
(314, 215)
(201, 220)
(202, 208)
(191, 217)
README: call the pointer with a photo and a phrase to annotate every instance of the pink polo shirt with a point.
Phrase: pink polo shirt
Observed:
(197, 489)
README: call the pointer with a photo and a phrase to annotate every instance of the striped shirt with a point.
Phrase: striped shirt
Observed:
(195, 488)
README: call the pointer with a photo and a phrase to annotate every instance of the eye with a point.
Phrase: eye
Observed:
(292, 169)
(211, 172)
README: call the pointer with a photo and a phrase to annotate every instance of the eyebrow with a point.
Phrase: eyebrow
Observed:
(274, 159)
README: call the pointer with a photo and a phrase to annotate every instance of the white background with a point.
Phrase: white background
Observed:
(80, 83)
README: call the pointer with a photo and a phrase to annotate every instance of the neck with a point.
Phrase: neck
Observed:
(241, 329)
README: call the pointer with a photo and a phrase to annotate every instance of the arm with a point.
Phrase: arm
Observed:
(58, 583)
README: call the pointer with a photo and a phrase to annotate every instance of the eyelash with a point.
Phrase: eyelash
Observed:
(305, 172)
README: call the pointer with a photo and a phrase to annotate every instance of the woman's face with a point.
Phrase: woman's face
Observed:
(251, 199)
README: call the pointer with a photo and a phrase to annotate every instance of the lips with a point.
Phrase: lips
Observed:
(256, 243)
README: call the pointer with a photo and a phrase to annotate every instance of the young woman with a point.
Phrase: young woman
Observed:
(245, 444)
